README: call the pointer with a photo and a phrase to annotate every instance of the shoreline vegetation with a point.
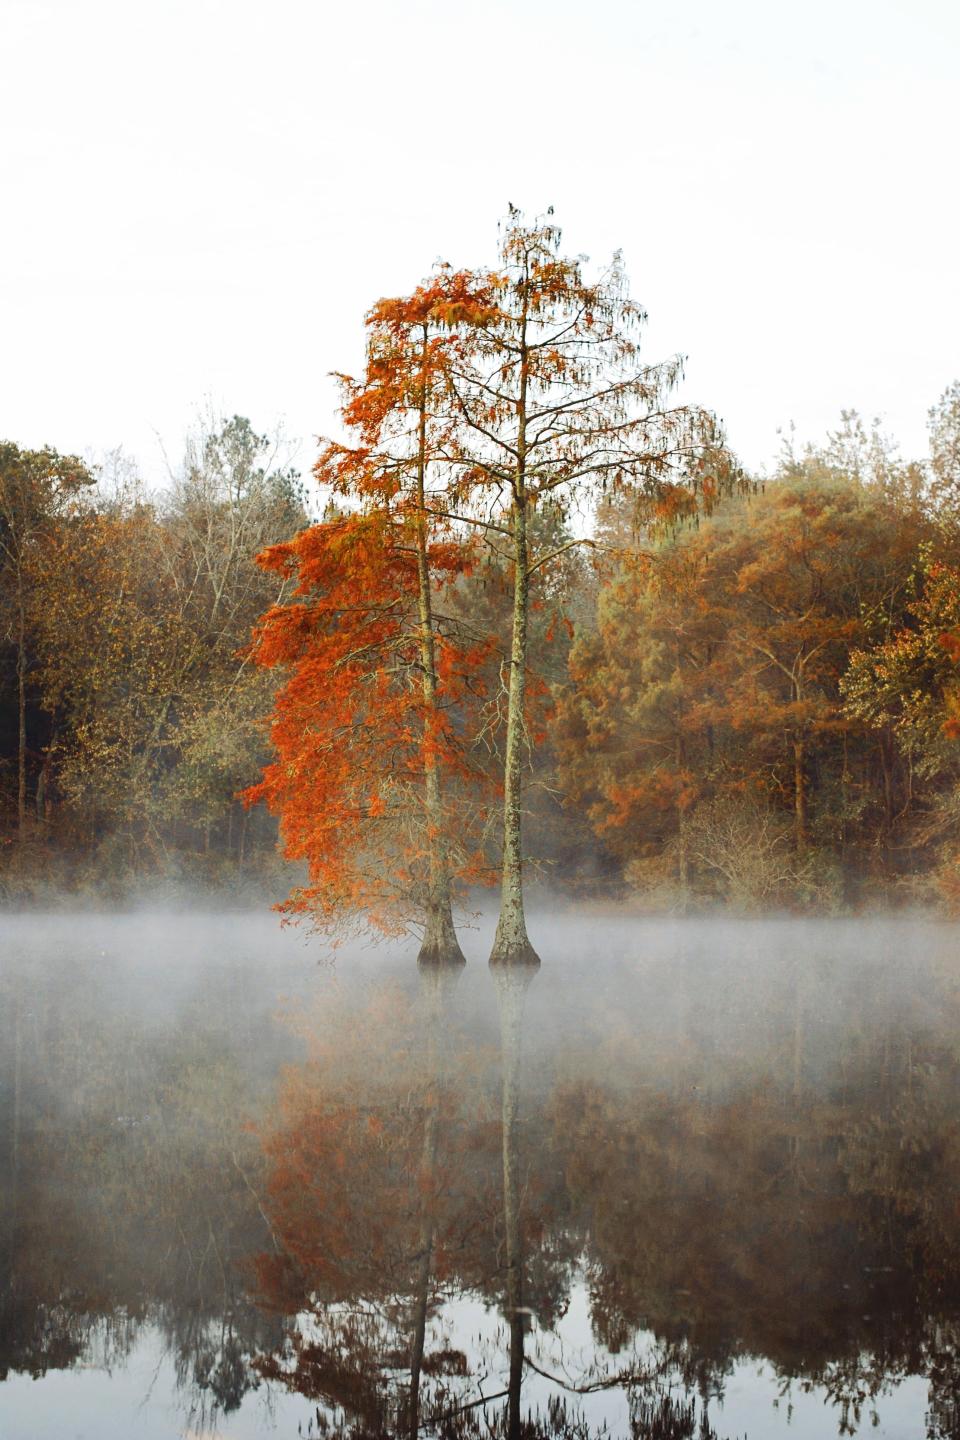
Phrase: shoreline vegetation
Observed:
(544, 633)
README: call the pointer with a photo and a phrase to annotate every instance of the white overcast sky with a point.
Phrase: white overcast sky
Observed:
(201, 200)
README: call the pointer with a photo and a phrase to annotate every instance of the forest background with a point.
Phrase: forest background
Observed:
(757, 709)
(754, 707)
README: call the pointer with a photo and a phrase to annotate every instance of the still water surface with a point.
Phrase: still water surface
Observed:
(687, 1180)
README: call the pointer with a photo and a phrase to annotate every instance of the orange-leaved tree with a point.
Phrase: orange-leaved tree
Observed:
(353, 734)
(397, 414)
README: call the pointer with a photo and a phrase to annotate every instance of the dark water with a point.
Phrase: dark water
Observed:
(686, 1181)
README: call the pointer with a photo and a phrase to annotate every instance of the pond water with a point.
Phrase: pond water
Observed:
(687, 1180)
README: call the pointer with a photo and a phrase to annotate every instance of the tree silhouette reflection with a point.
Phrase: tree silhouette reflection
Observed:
(492, 1205)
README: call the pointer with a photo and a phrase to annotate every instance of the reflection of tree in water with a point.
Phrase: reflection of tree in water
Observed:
(386, 1191)
(655, 1413)
(709, 1197)
(378, 1192)
(662, 1417)
(943, 1368)
(820, 1236)
(801, 1223)
(512, 982)
(392, 1190)
(124, 1206)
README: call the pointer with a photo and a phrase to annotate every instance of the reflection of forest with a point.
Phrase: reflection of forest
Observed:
(124, 1189)
(660, 1188)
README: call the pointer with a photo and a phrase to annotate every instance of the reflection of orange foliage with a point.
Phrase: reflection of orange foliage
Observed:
(339, 1199)
(347, 1185)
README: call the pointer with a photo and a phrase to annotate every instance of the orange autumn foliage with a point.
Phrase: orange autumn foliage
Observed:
(350, 728)
(399, 412)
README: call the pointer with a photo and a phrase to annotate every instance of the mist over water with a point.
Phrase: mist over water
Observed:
(692, 1178)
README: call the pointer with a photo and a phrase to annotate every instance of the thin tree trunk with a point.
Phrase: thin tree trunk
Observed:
(511, 944)
(43, 780)
(887, 771)
(800, 795)
(683, 869)
(440, 944)
(21, 716)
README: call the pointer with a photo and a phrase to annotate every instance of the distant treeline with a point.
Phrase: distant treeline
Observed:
(129, 717)
(763, 710)
(758, 709)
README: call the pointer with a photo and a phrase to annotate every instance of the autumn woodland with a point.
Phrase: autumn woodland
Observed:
(529, 623)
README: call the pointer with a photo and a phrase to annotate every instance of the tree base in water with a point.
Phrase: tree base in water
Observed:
(440, 944)
(518, 953)
(442, 954)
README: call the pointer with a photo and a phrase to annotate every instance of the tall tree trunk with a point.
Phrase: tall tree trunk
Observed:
(43, 781)
(440, 944)
(886, 766)
(21, 714)
(511, 945)
(800, 794)
(512, 986)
